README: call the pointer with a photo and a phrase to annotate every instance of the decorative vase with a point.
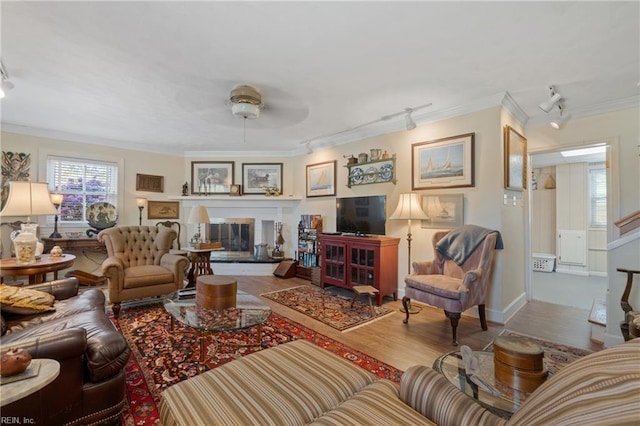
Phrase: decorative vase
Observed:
(25, 243)
(14, 361)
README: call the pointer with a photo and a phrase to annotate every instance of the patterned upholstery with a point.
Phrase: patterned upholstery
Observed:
(299, 383)
(452, 287)
(139, 263)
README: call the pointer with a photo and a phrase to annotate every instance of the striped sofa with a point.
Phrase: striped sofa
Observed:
(299, 383)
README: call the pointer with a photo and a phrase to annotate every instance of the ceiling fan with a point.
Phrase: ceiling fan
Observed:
(246, 102)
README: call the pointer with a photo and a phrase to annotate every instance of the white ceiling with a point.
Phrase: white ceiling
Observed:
(156, 76)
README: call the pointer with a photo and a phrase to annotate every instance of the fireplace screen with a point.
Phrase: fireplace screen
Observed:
(236, 235)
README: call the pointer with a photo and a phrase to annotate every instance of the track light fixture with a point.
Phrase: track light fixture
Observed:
(5, 84)
(557, 122)
(409, 121)
(548, 105)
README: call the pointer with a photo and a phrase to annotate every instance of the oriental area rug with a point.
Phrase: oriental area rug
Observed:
(160, 358)
(331, 307)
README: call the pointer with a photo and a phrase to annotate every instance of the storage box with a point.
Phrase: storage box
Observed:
(544, 262)
(519, 363)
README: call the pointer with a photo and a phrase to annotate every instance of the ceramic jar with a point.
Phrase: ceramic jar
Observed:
(362, 157)
(25, 243)
(375, 154)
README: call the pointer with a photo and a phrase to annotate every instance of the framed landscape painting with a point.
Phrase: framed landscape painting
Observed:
(257, 177)
(321, 179)
(209, 177)
(163, 210)
(443, 163)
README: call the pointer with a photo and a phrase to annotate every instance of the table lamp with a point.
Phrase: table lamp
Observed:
(56, 199)
(409, 208)
(27, 199)
(141, 203)
(197, 216)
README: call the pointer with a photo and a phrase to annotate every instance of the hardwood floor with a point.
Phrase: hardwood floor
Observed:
(428, 333)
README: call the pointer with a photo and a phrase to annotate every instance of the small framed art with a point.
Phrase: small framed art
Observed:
(163, 210)
(257, 177)
(321, 179)
(444, 210)
(208, 177)
(149, 183)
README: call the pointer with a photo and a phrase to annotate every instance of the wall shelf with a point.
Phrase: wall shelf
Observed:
(378, 171)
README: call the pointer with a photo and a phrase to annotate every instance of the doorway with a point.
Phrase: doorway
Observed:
(560, 211)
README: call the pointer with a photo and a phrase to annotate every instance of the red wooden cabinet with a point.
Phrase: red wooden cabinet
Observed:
(350, 260)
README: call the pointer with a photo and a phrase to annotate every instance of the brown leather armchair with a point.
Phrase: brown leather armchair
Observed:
(459, 275)
(90, 388)
(139, 263)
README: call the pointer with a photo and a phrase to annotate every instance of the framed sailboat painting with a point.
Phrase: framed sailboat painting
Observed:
(443, 163)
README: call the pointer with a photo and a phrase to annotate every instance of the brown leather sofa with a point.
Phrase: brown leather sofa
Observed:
(90, 388)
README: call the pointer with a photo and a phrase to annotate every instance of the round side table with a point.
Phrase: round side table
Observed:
(48, 370)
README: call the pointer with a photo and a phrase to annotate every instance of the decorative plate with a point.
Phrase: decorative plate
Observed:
(386, 172)
(102, 215)
(371, 175)
(356, 175)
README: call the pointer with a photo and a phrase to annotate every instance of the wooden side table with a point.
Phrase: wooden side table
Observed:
(200, 264)
(48, 370)
(37, 272)
(74, 244)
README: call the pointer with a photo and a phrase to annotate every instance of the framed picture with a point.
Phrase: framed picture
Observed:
(257, 177)
(163, 210)
(515, 160)
(443, 163)
(321, 179)
(149, 183)
(211, 177)
(444, 210)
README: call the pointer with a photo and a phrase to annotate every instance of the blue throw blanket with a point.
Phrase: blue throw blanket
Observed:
(458, 244)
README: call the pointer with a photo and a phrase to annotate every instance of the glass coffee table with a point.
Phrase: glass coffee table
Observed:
(249, 312)
(504, 402)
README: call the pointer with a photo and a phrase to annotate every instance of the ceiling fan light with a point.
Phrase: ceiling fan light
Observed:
(548, 105)
(245, 110)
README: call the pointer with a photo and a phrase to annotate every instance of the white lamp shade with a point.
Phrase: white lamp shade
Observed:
(28, 199)
(141, 202)
(409, 207)
(198, 214)
(245, 110)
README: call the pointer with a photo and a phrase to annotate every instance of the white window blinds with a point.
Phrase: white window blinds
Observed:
(598, 194)
(82, 182)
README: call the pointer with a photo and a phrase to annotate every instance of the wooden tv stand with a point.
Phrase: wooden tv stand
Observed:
(349, 261)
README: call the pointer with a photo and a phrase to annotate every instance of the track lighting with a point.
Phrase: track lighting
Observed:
(5, 84)
(548, 105)
(409, 121)
(557, 122)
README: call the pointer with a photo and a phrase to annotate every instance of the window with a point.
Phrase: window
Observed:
(598, 195)
(82, 182)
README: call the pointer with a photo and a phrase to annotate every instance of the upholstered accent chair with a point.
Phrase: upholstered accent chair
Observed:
(171, 224)
(139, 263)
(458, 276)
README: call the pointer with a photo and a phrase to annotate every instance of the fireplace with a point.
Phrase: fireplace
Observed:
(237, 236)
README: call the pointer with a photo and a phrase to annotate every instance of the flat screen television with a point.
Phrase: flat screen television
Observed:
(361, 215)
